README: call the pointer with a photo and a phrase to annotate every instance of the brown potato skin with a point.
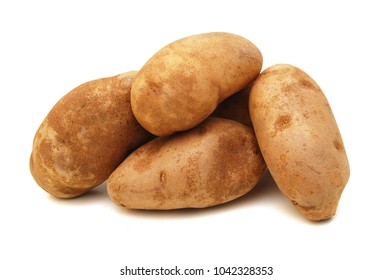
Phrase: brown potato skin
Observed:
(85, 137)
(236, 107)
(299, 139)
(211, 164)
(183, 83)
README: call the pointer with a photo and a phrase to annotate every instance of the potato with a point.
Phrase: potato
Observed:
(213, 163)
(85, 137)
(299, 139)
(236, 107)
(182, 84)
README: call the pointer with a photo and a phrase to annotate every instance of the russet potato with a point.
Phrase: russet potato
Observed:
(85, 136)
(213, 163)
(183, 83)
(299, 139)
(196, 127)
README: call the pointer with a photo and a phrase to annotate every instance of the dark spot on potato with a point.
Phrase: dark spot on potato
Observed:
(154, 87)
(283, 122)
(243, 142)
(338, 145)
(306, 84)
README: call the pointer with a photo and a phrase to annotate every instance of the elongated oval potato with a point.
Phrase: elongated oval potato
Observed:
(85, 137)
(211, 164)
(183, 83)
(299, 139)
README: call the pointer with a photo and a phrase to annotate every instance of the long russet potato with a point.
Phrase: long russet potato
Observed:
(86, 136)
(211, 164)
(299, 139)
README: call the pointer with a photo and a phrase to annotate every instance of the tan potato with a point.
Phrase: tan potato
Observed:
(85, 137)
(183, 83)
(300, 140)
(213, 163)
(236, 107)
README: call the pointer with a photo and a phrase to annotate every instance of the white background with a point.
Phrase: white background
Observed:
(49, 47)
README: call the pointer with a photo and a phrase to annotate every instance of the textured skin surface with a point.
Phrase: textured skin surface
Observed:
(183, 83)
(300, 140)
(85, 137)
(211, 164)
(236, 107)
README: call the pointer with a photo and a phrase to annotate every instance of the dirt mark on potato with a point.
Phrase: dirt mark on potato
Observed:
(282, 122)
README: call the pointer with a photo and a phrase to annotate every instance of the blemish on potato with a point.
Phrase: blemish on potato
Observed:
(308, 166)
(338, 145)
(154, 87)
(162, 177)
(283, 122)
(243, 142)
(306, 84)
(312, 169)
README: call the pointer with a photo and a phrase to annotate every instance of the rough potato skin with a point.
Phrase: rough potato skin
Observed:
(182, 84)
(85, 137)
(299, 139)
(211, 164)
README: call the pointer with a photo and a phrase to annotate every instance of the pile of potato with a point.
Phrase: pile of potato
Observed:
(197, 126)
